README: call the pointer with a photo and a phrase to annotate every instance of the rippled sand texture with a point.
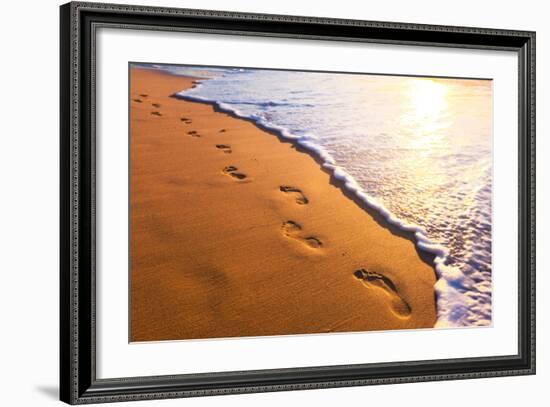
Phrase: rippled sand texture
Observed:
(237, 233)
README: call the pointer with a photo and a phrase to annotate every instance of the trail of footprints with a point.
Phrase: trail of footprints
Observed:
(290, 228)
(293, 230)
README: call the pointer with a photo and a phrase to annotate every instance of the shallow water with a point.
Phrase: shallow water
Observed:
(419, 150)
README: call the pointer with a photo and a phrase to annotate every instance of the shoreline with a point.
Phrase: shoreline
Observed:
(268, 244)
(426, 255)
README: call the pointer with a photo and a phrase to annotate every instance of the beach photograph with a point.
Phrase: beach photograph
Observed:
(270, 202)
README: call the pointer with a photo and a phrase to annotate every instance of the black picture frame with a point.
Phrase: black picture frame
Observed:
(78, 382)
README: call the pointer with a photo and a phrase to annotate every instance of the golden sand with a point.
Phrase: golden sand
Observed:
(235, 232)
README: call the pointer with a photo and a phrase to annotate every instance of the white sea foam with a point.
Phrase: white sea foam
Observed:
(357, 127)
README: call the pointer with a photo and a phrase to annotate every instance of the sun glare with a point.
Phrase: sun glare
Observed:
(428, 106)
(428, 97)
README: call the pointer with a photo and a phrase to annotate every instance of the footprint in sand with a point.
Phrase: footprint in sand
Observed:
(156, 113)
(193, 133)
(225, 148)
(186, 120)
(223, 131)
(293, 230)
(143, 95)
(137, 100)
(301, 199)
(157, 105)
(232, 172)
(371, 279)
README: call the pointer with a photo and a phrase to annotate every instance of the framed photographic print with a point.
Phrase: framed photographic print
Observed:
(255, 203)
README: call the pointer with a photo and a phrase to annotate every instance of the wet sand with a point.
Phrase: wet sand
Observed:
(235, 232)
